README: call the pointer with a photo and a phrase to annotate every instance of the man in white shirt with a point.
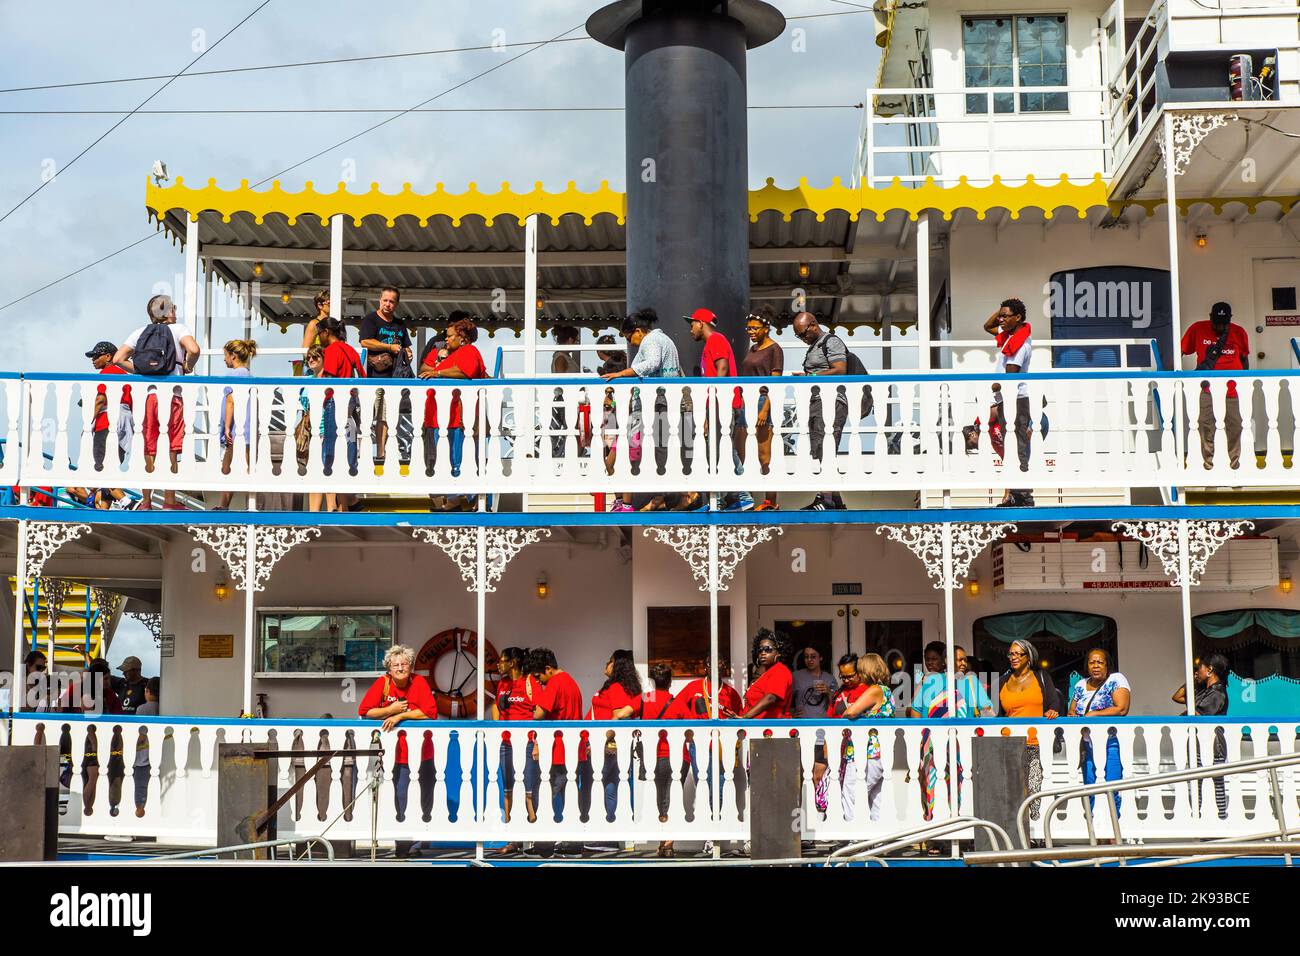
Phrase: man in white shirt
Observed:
(1015, 347)
(162, 311)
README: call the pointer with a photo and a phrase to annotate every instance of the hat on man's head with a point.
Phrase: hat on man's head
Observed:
(1220, 311)
(102, 348)
(131, 663)
(159, 306)
(701, 315)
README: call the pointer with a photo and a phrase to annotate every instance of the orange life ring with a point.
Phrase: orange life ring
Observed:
(459, 701)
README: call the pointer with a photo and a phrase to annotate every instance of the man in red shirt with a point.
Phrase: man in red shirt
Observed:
(561, 697)
(695, 700)
(1219, 345)
(718, 360)
(101, 357)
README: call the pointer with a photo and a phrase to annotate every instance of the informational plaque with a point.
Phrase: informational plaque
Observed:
(167, 645)
(216, 645)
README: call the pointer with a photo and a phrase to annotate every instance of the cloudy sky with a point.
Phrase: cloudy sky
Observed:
(96, 205)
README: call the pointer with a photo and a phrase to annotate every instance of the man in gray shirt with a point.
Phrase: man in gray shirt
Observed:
(827, 355)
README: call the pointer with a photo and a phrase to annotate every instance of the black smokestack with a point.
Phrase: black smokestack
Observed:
(687, 155)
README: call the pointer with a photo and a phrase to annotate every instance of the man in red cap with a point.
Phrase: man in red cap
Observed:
(1219, 345)
(718, 360)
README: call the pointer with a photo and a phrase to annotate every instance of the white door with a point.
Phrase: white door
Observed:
(1275, 322)
(897, 632)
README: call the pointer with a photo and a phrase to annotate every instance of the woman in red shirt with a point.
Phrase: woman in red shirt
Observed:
(459, 358)
(768, 696)
(620, 697)
(340, 359)
(399, 695)
(516, 692)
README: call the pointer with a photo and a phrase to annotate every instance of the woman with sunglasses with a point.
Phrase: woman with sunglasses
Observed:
(1026, 689)
(768, 695)
(36, 683)
(764, 359)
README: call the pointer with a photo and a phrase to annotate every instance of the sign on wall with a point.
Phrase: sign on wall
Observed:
(167, 645)
(1288, 319)
(844, 589)
(216, 645)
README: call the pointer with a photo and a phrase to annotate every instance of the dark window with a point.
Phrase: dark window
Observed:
(1109, 302)
(1063, 658)
(1255, 651)
(679, 637)
(1015, 51)
(1284, 298)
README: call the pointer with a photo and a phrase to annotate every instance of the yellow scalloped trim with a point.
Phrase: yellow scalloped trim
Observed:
(1217, 204)
(604, 201)
(424, 206)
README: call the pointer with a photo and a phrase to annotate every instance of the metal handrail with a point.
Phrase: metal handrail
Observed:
(239, 847)
(1092, 855)
(1109, 789)
(879, 846)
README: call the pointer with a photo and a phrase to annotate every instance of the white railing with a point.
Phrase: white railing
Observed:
(157, 777)
(935, 136)
(1121, 429)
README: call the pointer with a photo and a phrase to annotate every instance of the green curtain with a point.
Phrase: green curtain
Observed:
(1272, 696)
(1070, 626)
(1225, 624)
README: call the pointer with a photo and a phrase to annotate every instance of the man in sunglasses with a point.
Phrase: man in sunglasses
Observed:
(828, 355)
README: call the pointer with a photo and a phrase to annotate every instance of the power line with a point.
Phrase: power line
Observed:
(132, 245)
(107, 132)
(350, 59)
(441, 109)
(426, 102)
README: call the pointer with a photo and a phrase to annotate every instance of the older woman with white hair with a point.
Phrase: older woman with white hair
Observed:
(400, 694)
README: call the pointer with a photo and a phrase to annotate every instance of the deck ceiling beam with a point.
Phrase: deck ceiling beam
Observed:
(616, 258)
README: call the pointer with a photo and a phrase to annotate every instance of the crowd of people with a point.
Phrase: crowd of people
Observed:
(165, 348)
(532, 686)
(92, 690)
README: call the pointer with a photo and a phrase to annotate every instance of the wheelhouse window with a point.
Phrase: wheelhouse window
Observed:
(1014, 52)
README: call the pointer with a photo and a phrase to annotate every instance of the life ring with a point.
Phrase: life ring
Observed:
(460, 700)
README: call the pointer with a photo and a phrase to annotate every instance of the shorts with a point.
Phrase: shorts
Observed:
(175, 425)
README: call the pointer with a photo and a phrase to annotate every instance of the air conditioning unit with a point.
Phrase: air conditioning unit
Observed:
(1245, 564)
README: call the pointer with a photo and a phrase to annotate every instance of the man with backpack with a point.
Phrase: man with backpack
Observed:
(165, 349)
(1219, 345)
(828, 355)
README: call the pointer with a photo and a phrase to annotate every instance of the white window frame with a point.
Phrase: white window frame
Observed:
(1014, 89)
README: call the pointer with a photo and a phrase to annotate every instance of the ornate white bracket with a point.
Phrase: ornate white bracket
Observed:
(55, 592)
(43, 539)
(461, 545)
(152, 620)
(108, 602)
(271, 544)
(926, 542)
(734, 542)
(1189, 129)
(1204, 538)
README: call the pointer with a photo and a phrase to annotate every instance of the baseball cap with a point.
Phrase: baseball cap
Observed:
(701, 315)
(131, 663)
(1220, 310)
(159, 306)
(102, 348)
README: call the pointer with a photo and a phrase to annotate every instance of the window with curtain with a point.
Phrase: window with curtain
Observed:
(1062, 639)
(1015, 51)
(1258, 642)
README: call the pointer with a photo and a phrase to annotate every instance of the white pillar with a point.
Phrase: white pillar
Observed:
(923, 291)
(530, 296)
(480, 597)
(1171, 210)
(715, 765)
(18, 685)
(209, 288)
(191, 272)
(246, 305)
(949, 637)
(1185, 587)
(250, 638)
(336, 266)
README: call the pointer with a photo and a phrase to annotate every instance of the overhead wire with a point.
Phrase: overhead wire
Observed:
(104, 135)
(366, 58)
